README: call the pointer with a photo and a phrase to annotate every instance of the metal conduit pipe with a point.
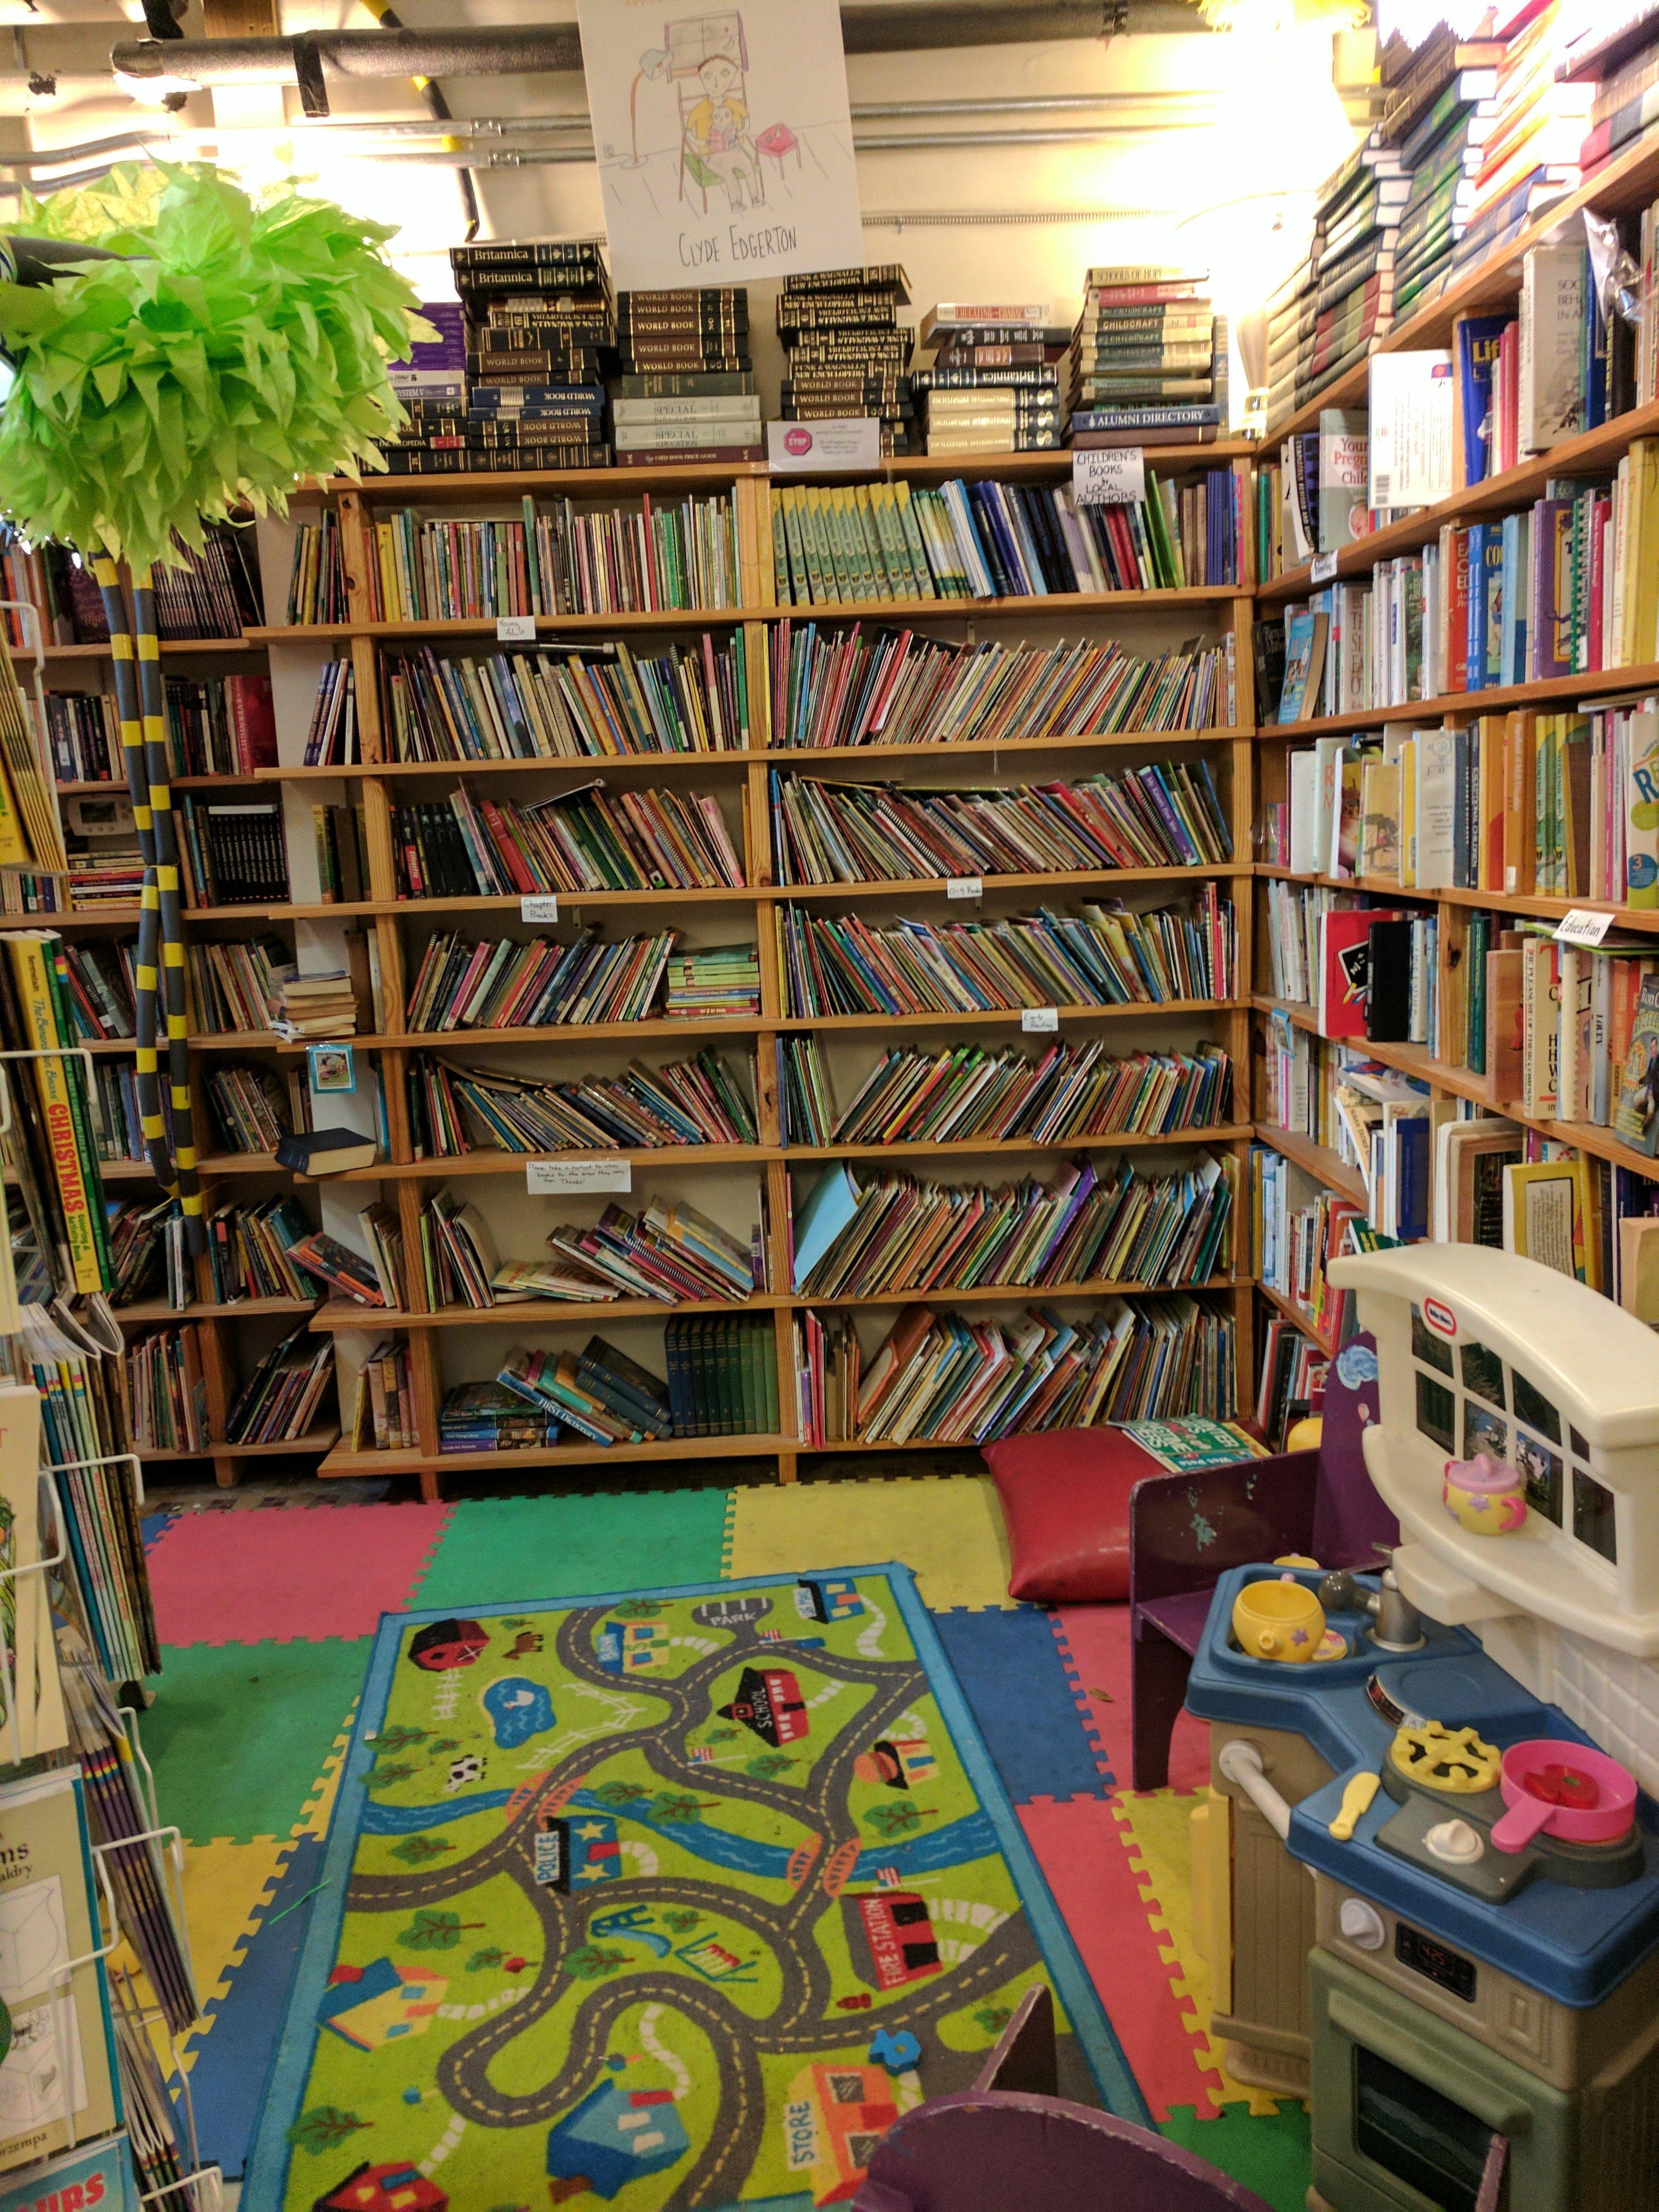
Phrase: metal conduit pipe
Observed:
(904, 26)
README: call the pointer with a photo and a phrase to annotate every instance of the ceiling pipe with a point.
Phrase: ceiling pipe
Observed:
(307, 58)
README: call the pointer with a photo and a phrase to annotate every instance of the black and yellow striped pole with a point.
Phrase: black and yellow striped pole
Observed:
(152, 707)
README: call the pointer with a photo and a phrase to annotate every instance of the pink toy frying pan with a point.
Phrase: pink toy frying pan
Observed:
(1563, 1789)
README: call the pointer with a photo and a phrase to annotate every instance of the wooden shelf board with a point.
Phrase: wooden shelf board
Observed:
(897, 612)
(1293, 1313)
(108, 784)
(235, 1041)
(491, 1162)
(1537, 905)
(1588, 455)
(784, 756)
(316, 1440)
(1544, 691)
(153, 1309)
(1318, 1160)
(581, 1454)
(250, 641)
(1628, 181)
(766, 894)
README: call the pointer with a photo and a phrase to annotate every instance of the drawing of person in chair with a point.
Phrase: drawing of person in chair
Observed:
(719, 148)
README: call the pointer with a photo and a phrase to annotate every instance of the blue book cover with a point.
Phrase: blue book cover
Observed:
(1478, 337)
(1511, 619)
(1474, 640)
(98, 2173)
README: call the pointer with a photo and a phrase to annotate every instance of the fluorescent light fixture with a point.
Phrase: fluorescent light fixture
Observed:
(153, 91)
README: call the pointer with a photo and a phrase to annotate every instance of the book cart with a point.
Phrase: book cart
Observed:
(1626, 185)
(735, 1185)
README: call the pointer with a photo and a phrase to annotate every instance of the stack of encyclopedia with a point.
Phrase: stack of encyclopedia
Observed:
(432, 386)
(993, 385)
(1338, 300)
(536, 318)
(1620, 61)
(687, 388)
(847, 352)
(1440, 109)
(1148, 359)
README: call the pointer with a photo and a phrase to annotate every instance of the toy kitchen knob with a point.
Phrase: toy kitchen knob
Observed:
(1455, 1842)
(1361, 1924)
(1483, 1495)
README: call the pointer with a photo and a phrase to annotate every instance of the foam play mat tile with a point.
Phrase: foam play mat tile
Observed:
(1010, 1670)
(238, 1733)
(313, 1571)
(225, 1888)
(825, 1910)
(513, 1551)
(1095, 1642)
(1271, 2155)
(947, 1529)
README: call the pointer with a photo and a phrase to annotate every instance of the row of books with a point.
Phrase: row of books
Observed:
(572, 702)
(1523, 803)
(62, 592)
(235, 984)
(1166, 814)
(317, 589)
(1291, 1371)
(983, 540)
(700, 1101)
(58, 1231)
(856, 1238)
(499, 984)
(966, 1092)
(839, 688)
(945, 1378)
(1101, 956)
(280, 1400)
(383, 1416)
(147, 1253)
(669, 1252)
(250, 1107)
(332, 739)
(559, 559)
(232, 853)
(721, 1381)
(166, 1387)
(588, 838)
(249, 1248)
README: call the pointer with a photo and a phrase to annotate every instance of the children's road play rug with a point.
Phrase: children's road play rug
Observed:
(672, 1899)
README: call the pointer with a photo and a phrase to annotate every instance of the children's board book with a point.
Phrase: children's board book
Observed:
(1193, 1446)
(1637, 1118)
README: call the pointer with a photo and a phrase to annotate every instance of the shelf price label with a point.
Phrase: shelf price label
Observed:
(515, 629)
(558, 1178)
(1583, 927)
(545, 907)
(1039, 1021)
(965, 887)
(1322, 569)
(1108, 476)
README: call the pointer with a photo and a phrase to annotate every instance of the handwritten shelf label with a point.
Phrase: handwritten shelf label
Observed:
(515, 629)
(1583, 927)
(559, 1177)
(1108, 476)
(965, 887)
(1039, 1021)
(1322, 569)
(543, 907)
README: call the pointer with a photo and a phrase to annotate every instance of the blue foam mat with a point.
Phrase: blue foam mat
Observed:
(1008, 1667)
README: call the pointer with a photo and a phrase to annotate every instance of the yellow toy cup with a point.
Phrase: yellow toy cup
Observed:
(1279, 1620)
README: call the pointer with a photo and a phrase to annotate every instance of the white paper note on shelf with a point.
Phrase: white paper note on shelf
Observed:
(515, 629)
(544, 907)
(1108, 476)
(1039, 1021)
(555, 1177)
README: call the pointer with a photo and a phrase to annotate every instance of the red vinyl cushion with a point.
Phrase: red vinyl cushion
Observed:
(1065, 1498)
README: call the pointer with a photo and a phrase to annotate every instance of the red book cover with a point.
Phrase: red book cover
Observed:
(252, 723)
(1458, 614)
(1344, 977)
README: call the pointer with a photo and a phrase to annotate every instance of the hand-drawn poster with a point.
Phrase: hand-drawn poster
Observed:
(724, 141)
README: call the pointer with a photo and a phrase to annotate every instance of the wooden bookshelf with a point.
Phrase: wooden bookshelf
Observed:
(1148, 621)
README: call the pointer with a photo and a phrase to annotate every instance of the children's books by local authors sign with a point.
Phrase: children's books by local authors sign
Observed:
(725, 144)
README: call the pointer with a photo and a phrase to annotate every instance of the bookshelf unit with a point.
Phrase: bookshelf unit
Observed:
(1627, 182)
(463, 1344)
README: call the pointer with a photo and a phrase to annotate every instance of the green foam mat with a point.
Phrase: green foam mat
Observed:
(513, 1551)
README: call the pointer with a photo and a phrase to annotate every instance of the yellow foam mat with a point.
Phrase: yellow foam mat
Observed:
(226, 1885)
(946, 1528)
(1157, 1834)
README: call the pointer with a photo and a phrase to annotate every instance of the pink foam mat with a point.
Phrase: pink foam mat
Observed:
(1094, 1641)
(1080, 1849)
(309, 1573)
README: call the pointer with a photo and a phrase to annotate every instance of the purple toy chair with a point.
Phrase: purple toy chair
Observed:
(1185, 1531)
(1009, 2142)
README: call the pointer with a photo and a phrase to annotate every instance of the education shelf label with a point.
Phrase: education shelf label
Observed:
(1322, 569)
(545, 907)
(1039, 1021)
(1583, 926)
(965, 887)
(515, 629)
(1108, 476)
(558, 1178)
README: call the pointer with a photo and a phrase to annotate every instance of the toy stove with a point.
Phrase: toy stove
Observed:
(1480, 2007)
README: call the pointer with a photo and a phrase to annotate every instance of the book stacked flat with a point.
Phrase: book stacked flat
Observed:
(1620, 61)
(1530, 157)
(707, 982)
(1337, 303)
(1440, 109)
(599, 1395)
(687, 388)
(993, 385)
(323, 1006)
(487, 1417)
(538, 318)
(1148, 358)
(847, 354)
(100, 843)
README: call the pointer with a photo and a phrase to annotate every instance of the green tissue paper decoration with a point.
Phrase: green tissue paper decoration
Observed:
(243, 345)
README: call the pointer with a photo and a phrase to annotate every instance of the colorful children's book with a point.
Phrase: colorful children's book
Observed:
(1637, 1117)
(1193, 1446)
(1305, 664)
